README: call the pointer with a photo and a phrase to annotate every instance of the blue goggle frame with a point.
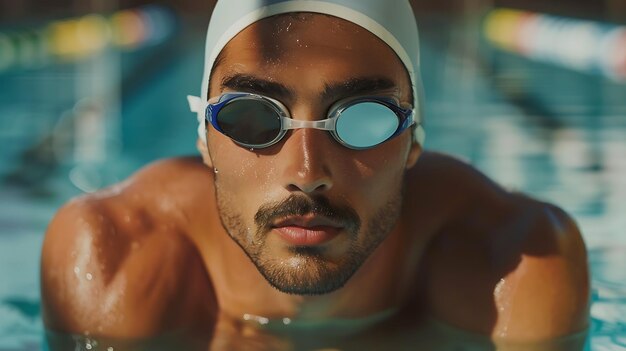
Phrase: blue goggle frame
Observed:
(406, 116)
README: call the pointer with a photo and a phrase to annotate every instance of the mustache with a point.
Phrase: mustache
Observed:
(299, 205)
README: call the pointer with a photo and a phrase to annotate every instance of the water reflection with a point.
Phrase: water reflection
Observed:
(608, 311)
(430, 335)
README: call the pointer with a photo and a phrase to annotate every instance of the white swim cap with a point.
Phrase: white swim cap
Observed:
(390, 20)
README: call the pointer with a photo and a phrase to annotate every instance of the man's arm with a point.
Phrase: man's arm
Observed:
(504, 265)
(547, 294)
(112, 270)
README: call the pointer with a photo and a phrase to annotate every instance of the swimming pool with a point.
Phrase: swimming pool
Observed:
(555, 134)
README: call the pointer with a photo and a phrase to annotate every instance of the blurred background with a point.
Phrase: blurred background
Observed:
(533, 93)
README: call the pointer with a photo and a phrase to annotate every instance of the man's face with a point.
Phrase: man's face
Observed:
(309, 211)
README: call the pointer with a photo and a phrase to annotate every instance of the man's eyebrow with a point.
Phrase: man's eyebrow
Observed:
(252, 84)
(332, 91)
(356, 86)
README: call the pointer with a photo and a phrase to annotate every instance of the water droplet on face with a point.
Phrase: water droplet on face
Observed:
(89, 276)
(215, 170)
(258, 319)
(110, 348)
(76, 270)
(90, 344)
(286, 321)
(251, 149)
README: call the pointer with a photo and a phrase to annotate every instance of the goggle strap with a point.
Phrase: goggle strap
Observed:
(195, 104)
(420, 135)
(198, 106)
(325, 124)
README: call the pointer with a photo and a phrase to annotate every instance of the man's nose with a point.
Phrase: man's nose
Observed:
(306, 161)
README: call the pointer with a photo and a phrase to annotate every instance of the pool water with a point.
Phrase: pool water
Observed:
(552, 133)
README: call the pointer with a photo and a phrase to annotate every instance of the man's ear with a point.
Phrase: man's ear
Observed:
(204, 151)
(414, 155)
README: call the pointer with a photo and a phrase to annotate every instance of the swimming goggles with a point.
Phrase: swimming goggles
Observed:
(255, 121)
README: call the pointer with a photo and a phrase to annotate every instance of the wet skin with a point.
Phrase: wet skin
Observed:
(151, 255)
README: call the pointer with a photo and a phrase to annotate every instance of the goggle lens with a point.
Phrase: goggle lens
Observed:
(250, 122)
(366, 124)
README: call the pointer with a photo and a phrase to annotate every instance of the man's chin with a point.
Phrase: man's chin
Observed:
(306, 273)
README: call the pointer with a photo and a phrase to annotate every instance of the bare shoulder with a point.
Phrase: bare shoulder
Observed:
(441, 187)
(505, 264)
(546, 294)
(113, 261)
(451, 173)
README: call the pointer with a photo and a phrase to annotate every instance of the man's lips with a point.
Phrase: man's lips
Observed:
(307, 230)
(308, 221)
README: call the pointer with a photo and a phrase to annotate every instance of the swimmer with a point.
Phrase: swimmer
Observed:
(313, 211)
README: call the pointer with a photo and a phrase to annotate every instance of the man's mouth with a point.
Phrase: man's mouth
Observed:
(307, 230)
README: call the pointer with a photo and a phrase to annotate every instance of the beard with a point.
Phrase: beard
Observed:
(308, 270)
